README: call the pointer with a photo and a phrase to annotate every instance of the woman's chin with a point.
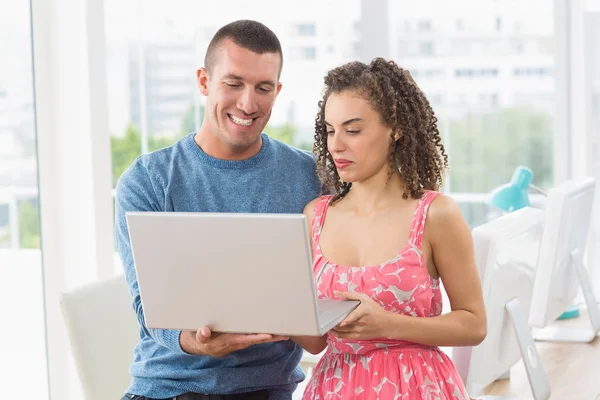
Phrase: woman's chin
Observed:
(347, 178)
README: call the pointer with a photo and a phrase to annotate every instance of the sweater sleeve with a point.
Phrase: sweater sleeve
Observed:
(135, 192)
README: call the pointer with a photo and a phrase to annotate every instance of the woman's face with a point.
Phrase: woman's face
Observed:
(357, 139)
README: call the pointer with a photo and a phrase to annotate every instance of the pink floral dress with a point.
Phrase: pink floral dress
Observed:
(383, 368)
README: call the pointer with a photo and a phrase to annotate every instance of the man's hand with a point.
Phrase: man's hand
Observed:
(205, 342)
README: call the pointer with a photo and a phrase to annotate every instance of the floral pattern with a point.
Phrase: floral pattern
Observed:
(383, 368)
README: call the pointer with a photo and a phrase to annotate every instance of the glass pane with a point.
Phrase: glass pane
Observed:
(22, 341)
(592, 5)
(151, 77)
(592, 52)
(487, 69)
(592, 38)
(155, 48)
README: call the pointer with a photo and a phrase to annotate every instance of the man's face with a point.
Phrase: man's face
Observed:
(241, 89)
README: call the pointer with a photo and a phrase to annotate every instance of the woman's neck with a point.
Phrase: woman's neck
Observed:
(375, 193)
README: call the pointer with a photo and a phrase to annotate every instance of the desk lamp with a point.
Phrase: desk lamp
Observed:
(515, 195)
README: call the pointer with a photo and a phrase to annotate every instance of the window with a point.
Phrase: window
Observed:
(305, 29)
(488, 99)
(424, 26)
(476, 73)
(20, 256)
(479, 104)
(518, 45)
(152, 58)
(436, 99)
(156, 101)
(532, 71)
(460, 47)
(303, 53)
(592, 52)
(433, 73)
(408, 48)
(426, 48)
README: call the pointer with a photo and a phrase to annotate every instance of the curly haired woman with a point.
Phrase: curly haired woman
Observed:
(386, 237)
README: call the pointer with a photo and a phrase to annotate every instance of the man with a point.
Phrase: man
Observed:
(228, 166)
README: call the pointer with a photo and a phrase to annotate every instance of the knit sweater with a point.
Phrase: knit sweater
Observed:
(182, 177)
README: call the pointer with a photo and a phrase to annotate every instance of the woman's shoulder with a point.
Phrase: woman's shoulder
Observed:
(441, 206)
(443, 214)
(311, 208)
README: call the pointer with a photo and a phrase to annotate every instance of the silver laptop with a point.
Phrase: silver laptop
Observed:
(233, 272)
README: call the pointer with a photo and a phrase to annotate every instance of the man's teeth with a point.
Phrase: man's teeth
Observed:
(240, 121)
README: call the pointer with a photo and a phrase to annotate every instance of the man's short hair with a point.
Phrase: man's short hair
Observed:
(250, 35)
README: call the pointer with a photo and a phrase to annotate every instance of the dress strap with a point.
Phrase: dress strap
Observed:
(418, 225)
(319, 218)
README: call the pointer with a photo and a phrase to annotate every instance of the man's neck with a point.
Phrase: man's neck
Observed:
(215, 147)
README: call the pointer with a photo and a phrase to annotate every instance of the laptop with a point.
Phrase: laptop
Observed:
(232, 272)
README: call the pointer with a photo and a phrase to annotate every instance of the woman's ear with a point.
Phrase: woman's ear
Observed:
(397, 135)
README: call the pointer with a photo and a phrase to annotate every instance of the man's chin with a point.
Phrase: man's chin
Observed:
(243, 140)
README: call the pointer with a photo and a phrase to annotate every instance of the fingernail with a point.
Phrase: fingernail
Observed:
(204, 332)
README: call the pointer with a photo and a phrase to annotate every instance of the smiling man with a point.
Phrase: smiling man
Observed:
(228, 166)
(241, 82)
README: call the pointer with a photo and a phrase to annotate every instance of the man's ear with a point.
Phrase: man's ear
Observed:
(278, 89)
(202, 78)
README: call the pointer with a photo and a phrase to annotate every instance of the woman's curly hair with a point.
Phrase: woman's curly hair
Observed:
(418, 154)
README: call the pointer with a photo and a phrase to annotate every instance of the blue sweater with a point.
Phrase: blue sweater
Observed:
(278, 179)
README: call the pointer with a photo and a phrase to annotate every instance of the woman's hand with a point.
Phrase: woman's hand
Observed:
(368, 321)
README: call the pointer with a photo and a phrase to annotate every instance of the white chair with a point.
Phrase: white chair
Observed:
(103, 331)
(309, 362)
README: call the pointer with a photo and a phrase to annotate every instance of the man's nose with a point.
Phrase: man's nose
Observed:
(247, 102)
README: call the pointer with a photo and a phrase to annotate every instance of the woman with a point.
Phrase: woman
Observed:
(386, 237)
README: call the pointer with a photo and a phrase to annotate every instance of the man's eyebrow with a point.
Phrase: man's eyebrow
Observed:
(233, 76)
(267, 82)
(239, 78)
(350, 121)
